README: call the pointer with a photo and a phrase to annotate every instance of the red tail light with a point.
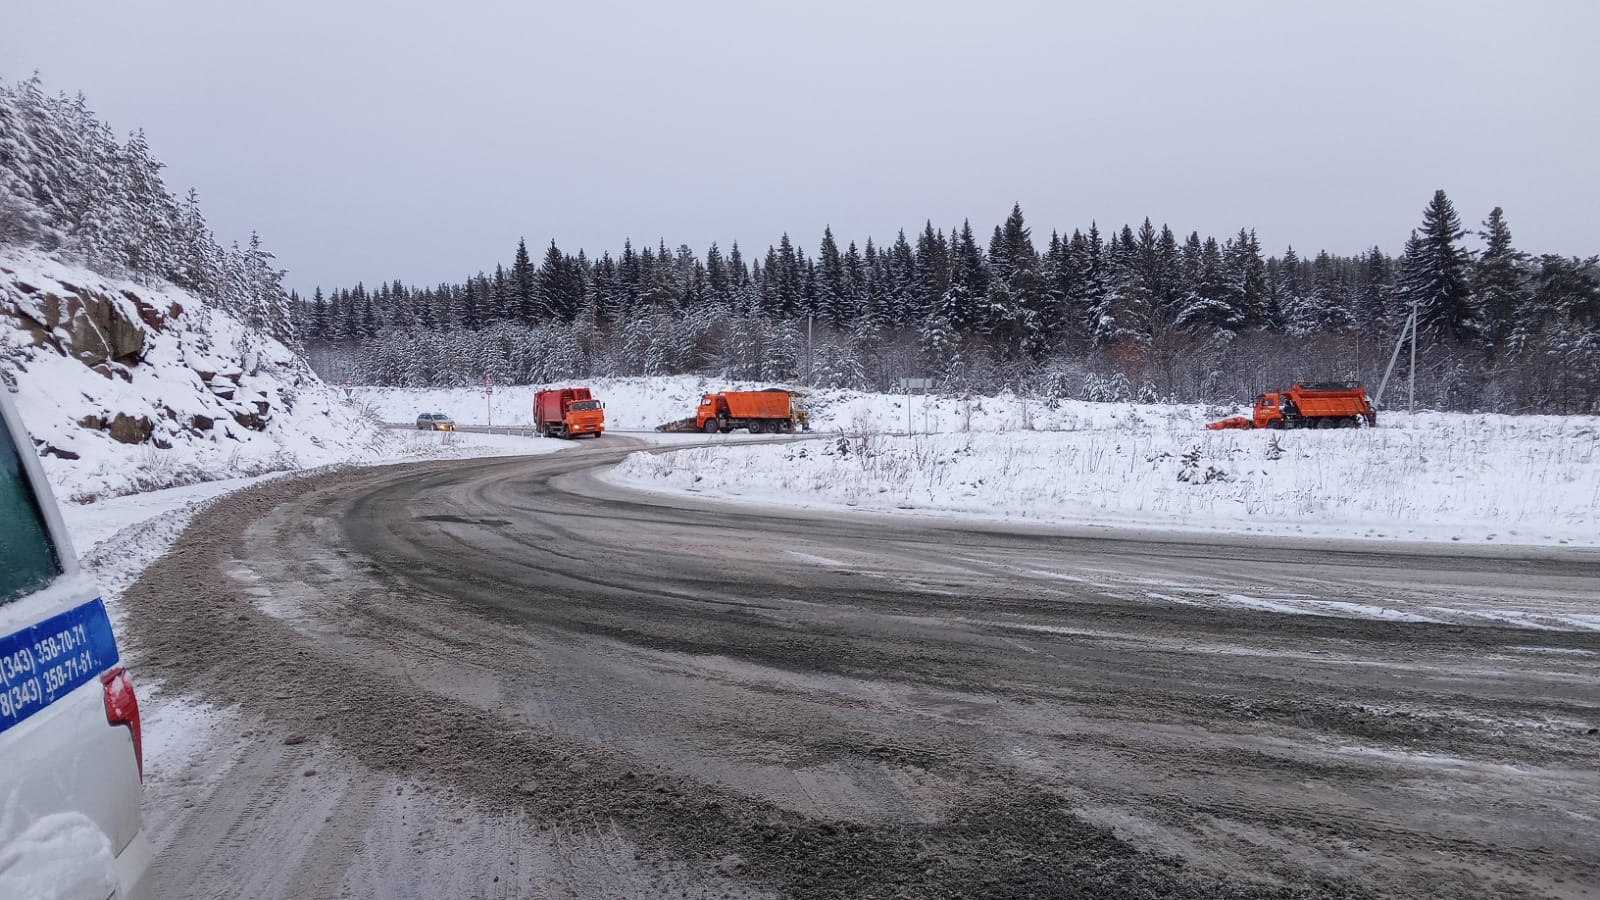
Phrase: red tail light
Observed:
(122, 708)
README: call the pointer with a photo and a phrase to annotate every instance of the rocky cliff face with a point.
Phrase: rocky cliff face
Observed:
(128, 387)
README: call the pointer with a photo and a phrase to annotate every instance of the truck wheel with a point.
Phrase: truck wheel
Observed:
(757, 427)
(710, 427)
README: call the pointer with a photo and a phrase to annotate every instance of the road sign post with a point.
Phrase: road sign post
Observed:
(914, 384)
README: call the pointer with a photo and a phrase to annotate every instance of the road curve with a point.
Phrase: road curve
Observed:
(697, 699)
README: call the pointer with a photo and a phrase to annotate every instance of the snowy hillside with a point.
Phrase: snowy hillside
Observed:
(1489, 478)
(126, 387)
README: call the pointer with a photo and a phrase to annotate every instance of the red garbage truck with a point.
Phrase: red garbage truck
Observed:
(568, 413)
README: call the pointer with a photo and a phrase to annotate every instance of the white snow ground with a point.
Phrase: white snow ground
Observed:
(640, 404)
(1434, 477)
(1429, 477)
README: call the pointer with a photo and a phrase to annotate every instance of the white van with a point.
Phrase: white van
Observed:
(70, 750)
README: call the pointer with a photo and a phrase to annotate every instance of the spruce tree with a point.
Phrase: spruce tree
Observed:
(1498, 283)
(719, 287)
(900, 264)
(502, 307)
(1373, 295)
(1097, 293)
(1435, 275)
(318, 330)
(1328, 302)
(469, 313)
(367, 325)
(831, 291)
(1289, 295)
(932, 268)
(1209, 309)
(855, 282)
(790, 278)
(523, 286)
(553, 288)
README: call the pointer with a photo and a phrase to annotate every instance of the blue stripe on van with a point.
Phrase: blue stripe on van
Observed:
(44, 662)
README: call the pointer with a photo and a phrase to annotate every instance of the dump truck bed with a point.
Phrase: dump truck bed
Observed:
(1313, 402)
(758, 404)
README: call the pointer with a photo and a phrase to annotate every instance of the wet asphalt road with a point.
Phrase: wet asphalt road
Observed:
(757, 702)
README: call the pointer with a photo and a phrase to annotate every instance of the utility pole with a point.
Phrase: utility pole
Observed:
(488, 401)
(809, 379)
(1407, 331)
(1411, 400)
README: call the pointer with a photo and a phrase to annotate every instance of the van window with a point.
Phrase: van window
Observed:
(27, 558)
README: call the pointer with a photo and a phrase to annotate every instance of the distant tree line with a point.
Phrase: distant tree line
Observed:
(1121, 314)
(69, 187)
(1129, 313)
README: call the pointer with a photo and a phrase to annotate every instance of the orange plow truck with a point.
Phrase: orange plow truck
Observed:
(1342, 404)
(568, 413)
(758, 411)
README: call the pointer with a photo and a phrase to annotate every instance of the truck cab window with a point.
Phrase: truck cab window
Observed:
(27, 557)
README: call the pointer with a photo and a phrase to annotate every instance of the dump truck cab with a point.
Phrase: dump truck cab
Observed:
(706, 413)
(1269, 411)
(568, 413)
(586, 417)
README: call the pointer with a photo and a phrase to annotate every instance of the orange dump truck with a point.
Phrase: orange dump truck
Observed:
(568, 412)
(1342, 404)
(759, 411)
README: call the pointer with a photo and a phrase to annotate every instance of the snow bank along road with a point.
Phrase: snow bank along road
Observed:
(505, 678)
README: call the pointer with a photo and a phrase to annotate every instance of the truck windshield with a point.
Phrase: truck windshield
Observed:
(585, 404)
(30, 558)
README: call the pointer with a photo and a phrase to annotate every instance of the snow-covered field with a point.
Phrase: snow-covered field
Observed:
(1431, 477)
(638, 404)
(1436, 477)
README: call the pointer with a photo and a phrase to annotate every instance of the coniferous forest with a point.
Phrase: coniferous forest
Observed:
(1125, 313)
(1132, 313)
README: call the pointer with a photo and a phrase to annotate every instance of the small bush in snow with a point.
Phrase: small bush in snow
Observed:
(1189, 472)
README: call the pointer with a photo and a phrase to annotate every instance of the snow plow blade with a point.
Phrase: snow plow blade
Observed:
(679, 425)
(1234, 422)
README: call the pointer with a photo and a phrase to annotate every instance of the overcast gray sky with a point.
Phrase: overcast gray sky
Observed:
(373, 139)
